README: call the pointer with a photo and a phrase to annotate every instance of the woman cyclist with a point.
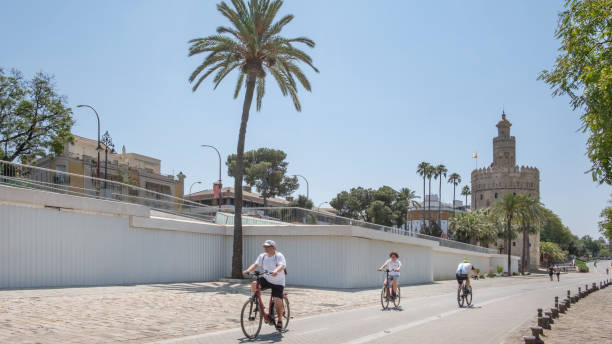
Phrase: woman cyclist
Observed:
(394, 265)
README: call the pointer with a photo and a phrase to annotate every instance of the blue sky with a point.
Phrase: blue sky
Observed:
(400, 83)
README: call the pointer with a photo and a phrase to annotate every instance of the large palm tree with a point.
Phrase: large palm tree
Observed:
(454, 179)
(253, 47)
(466, 192)
(429, 172)
(507, 209)
(422, 169)
(531, 215)
(440, 172)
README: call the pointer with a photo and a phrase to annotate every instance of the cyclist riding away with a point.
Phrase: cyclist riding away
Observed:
(463, 272)
(274, 263)
(394, 265)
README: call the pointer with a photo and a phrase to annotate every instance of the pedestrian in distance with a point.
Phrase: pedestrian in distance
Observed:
(550, 271)
(557, 272)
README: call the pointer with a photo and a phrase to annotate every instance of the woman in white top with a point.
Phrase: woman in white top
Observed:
(394, 265)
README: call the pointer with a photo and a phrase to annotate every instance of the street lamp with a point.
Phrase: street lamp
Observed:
(194, 183)
(220, 182)
(99, 149)
(307, 186)
(319, 207)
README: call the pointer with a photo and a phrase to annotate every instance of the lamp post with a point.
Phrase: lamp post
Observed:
(99, 149)
(220, 182)
(307, 186)
(194, 183)
(319, 207)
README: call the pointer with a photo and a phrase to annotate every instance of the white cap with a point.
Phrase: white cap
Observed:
(269, 243)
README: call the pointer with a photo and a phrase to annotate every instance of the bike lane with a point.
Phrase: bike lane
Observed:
(495, 312)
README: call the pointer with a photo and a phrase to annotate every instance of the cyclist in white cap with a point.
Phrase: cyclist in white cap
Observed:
(274, 263)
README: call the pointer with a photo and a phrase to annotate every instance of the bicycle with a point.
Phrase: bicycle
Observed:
(254, 312)
(386, 293)
(464, 294)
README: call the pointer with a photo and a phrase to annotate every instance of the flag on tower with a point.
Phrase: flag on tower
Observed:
(475, 155)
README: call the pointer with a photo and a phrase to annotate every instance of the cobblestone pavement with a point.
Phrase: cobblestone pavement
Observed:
(144, 313)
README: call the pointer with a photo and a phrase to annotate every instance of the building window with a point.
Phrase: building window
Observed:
(481, 197)
(514, 243)
(496, 195)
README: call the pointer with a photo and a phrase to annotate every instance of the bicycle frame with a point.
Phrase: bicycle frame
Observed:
(261, 304)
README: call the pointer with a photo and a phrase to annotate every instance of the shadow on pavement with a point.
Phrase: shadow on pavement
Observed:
(274, 337)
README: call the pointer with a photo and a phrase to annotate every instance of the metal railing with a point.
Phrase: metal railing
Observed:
(303, 216)
(33, 177)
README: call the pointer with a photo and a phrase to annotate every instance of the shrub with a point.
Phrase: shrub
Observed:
(490, 275)
(500, 269)
(481, 276)
(582, 267)
(515, 273)
(477, 271)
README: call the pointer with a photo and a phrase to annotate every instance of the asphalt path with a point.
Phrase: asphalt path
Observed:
(495, 314)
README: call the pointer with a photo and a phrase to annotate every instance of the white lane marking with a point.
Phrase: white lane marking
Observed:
(313, 331)
(399, 328)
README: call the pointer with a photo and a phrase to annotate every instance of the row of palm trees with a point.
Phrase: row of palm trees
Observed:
(429, 171)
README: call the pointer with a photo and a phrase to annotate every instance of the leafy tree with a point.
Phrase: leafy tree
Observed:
(551, 252)
(253, 46)
(507, 209)
(592, 246)
(265, 169)
(553, 230)
(353, 204)
(454, 179)
(405, 199)
(474, 227)
(466, 192)
(380, 213)
(440, 171)
(583, 71)
(34, 119)
(605, 225)
(302, 202)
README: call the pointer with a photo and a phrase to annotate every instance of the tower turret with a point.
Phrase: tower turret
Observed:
(504, 145)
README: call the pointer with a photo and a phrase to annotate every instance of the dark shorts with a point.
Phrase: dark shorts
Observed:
(461, 278)
(277, 290)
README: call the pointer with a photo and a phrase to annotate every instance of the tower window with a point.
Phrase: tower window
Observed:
(496, 195)
(481, 197)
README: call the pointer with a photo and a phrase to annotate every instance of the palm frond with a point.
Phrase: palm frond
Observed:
(239, 85)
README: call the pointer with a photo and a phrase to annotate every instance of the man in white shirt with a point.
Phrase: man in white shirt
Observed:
(463, 272)
(274, 263)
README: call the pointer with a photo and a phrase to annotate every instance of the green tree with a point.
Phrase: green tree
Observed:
(34, 119)
(454, 179)
(439, 173)
(253, 46)
(507, 209)
(592, 246)
(530, 215)
(474, 227)
(583, 71)
(302, 202)
(466, 192)
(266, 170)
(430, 172)
(380, 213)
(605, 225)
(553, 230)
(405, 199)
(551, 252)
(353, 204)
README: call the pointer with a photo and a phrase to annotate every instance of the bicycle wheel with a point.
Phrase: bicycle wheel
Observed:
(396, 301)
(286, 313)
(460, 297)
(384, 297)
(250, 319)
(468, 296)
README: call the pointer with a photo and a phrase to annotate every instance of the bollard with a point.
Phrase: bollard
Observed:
(536, 331)
(540, 319)
(554, 312)
(550, 317)
(580, 292)
(562, 308)
(529, 339)
(557, 302)
(594, 286)
(546, 323)
(568, 303)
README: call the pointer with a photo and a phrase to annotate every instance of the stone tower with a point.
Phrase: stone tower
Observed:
(504, 176)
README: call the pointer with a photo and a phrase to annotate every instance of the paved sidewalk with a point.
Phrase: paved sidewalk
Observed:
(144, 313)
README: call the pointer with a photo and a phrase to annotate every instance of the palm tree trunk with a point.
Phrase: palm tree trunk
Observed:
(429, 202)
(525, 256)
(237, 245)
(440, 203)
(423, 207)
(454, 187)
(509, 246)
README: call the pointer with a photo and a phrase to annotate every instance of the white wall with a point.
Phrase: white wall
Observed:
(85, 241)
